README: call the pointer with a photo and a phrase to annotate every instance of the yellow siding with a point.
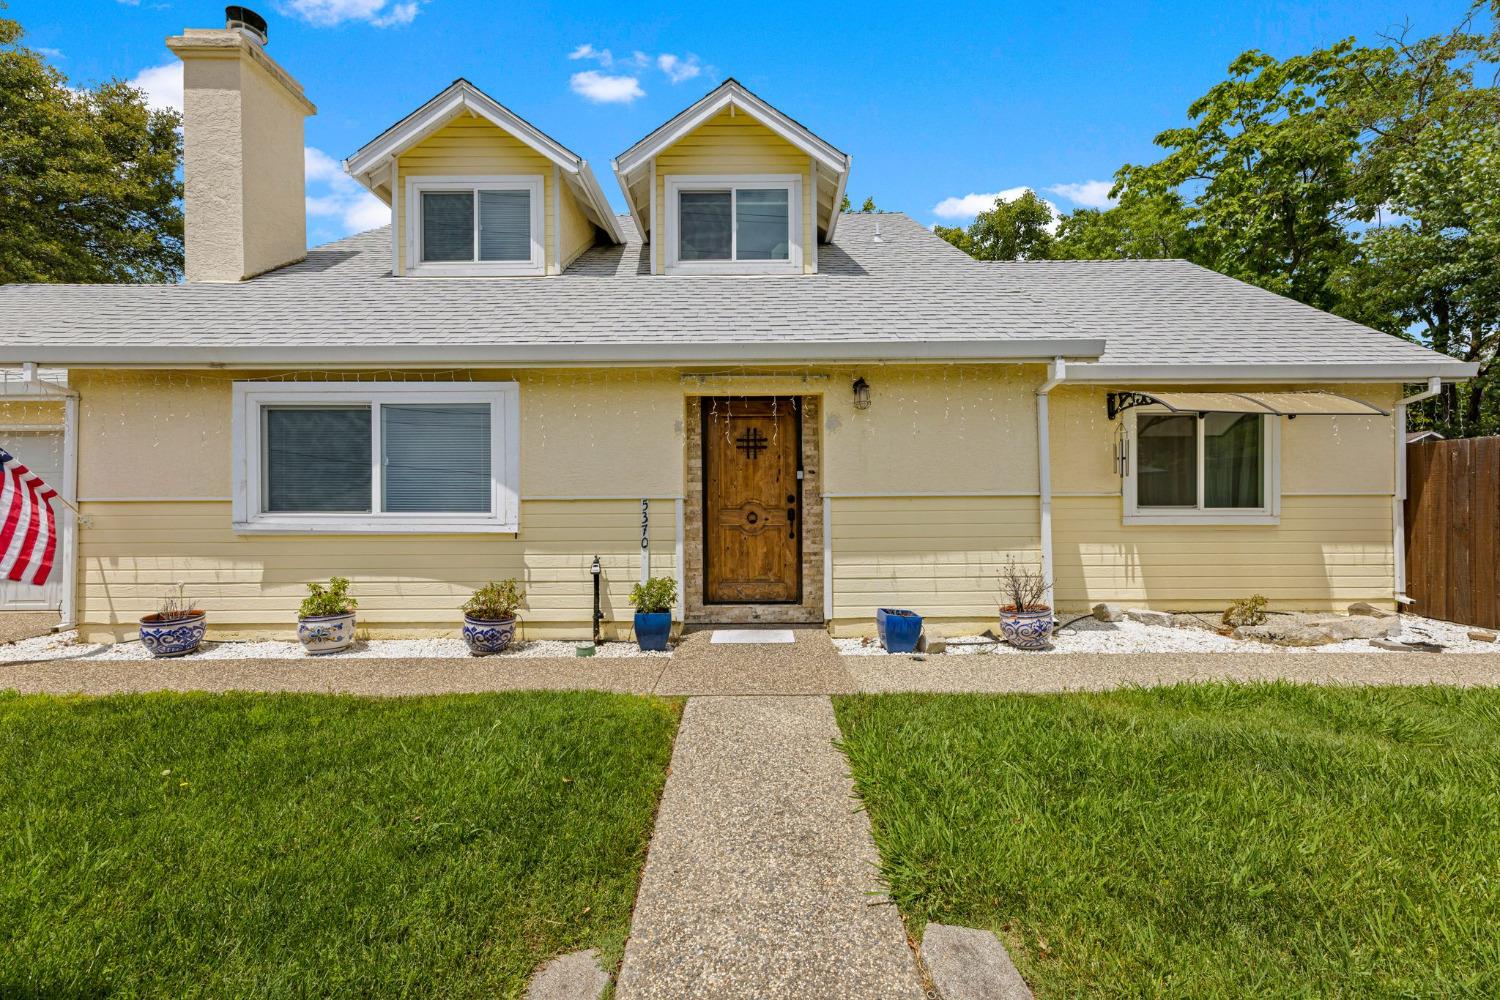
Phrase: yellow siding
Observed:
(469, 147)
(133, 554)
(1326, 552)
(938, 556)
(577, 230)
(734, 144)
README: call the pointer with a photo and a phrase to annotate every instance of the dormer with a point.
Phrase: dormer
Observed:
(733, 186)
(476, 190)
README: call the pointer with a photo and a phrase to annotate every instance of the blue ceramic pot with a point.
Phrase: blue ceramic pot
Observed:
(1027, 629)
(880, 616)
(653, 630)
(486, 637)
(177, 637)
(326, 633)
(902, 630)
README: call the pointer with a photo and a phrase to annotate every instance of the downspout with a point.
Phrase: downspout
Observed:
(1398, 503)
(1057, 372)
(68, 493)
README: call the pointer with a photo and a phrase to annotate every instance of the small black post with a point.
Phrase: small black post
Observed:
(595, 570)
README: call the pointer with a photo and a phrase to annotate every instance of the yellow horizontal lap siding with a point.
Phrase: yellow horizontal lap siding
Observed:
(730, 145)
(938, 556)
(473, 147)
(134, 554)
(1326, 551)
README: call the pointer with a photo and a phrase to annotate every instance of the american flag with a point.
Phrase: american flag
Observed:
(28, 535)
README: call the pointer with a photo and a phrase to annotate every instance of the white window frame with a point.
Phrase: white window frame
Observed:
(252, 399)
(678, 183)
(1268, 513)
(535, 266)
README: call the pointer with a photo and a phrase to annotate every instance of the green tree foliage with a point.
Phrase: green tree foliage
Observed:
(1019, 229)
(88, 178)
(1364, 180)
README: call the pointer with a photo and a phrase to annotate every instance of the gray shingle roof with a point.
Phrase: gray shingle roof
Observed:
(907, 294)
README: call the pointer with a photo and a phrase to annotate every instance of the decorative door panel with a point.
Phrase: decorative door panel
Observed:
(752, 531)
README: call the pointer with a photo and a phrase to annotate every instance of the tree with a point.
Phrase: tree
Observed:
(1141, 226)
(88, 178)
(1019, 229)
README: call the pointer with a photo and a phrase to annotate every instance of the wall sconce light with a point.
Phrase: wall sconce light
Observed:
(861, 394)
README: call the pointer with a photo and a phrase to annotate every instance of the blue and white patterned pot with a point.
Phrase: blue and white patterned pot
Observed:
(326, 633)
(1027, 629)
(486, 637)
(177, 637)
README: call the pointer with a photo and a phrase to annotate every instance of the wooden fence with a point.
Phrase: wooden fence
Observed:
(1453, 530)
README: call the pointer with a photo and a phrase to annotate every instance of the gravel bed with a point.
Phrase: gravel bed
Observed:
(1189, 636)
(65, 646)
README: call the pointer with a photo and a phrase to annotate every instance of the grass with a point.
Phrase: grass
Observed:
(306, 845)
(1202, 840)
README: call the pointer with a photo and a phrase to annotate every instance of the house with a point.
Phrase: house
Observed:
(800, 414)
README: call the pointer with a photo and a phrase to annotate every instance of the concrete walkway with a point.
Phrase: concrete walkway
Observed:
(761, 878)
(698, 669)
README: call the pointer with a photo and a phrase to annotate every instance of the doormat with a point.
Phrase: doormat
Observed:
(752, 635)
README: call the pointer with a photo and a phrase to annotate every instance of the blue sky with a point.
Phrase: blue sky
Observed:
(936, 103)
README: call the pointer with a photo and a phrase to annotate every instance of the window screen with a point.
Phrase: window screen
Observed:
(317, 459)
(436, 457)
(761, 221)
(704, 218)
(447, 226)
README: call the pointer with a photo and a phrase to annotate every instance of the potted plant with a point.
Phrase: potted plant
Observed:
(490, 617)
(325, 622)
(653, 602)
(175, 629)
(1025, 621)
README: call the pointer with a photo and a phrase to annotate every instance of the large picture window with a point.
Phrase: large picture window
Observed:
(475, 225)
(726, 224)
(368, 457)
(1185, 467)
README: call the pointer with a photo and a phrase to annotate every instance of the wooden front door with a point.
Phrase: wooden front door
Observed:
(752, 501)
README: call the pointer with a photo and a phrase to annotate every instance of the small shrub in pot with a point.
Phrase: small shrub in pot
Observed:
(175, 628)
(490, 617)
(325, 622)
(653, 601)
(1025, 620)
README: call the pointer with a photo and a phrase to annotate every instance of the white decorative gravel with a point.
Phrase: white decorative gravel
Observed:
(1092, 636)
(65, 646)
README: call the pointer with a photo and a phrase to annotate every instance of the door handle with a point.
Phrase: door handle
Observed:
(791, 513)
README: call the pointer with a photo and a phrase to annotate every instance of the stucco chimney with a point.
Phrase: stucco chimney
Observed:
(242, 136)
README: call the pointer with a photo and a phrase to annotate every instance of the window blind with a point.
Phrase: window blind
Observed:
(761, 218)
(504, 225)
(447, 225)
(704, 218)
(317, 459)
(436, 457)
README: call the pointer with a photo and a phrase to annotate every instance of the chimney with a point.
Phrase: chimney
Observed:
(243, 162)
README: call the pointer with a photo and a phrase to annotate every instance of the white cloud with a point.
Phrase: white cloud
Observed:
(162, 84)
(602, 88)
(678, 69)
(327, 13)
(336, 204)
(603, 57)
(971, 205)
(1089, 194)
(53, 54)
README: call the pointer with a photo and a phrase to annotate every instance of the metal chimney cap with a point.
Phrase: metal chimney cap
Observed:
(244, 19)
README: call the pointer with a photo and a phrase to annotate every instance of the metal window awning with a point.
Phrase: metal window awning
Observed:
(1280, 404)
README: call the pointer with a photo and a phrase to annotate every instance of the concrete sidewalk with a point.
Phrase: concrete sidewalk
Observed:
(761, 878)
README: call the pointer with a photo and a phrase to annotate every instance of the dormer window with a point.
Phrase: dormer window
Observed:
(462, 226)
(744, 225)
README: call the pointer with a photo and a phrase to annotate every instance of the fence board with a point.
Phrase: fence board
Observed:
(1453, 530)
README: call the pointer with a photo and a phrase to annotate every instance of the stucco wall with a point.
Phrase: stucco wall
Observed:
(734, 144)
(243, 160)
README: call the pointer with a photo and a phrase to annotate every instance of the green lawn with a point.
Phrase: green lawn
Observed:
(1199, 841)
(305, 845)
